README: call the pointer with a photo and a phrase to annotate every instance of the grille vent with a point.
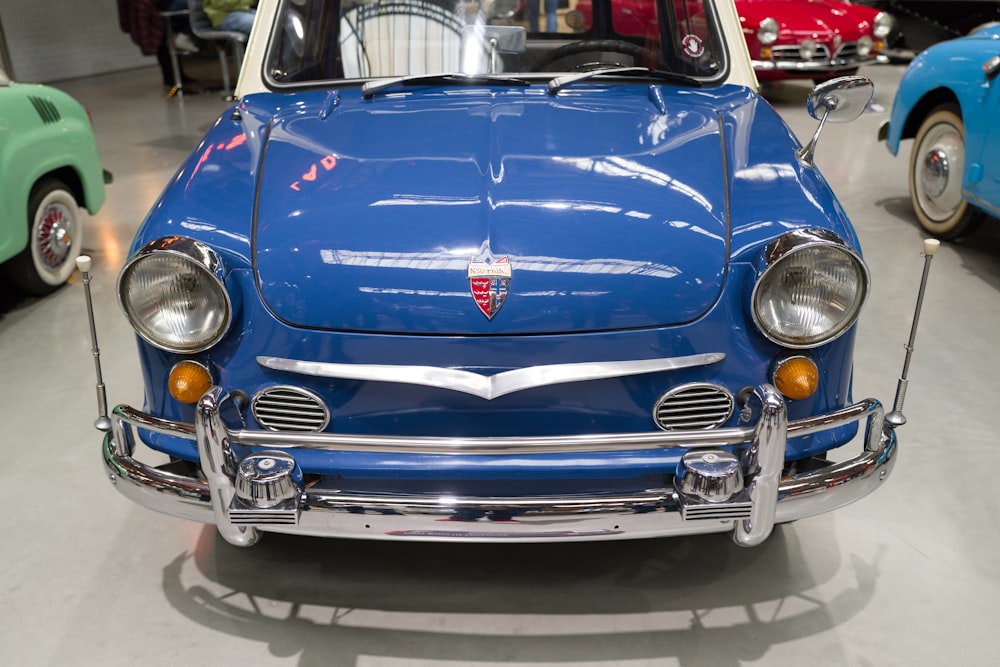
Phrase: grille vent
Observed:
(693, 406)
(289, 409)
(790, 53)
(847, 50)
(47, 111)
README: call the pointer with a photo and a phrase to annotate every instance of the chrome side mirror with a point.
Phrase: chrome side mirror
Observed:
(839, 100)
(494, 40)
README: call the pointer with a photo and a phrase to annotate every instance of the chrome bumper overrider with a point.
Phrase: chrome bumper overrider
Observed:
(750, 515)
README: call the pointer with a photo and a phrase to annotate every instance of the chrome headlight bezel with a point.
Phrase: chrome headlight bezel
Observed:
(767, 31)
(882, 25)
(777, 257)
(205, 266)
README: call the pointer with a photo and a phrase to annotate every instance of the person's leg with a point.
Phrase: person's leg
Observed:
(167, 70)
(550, 15)
(240, 21)
(180, 24)
(163, 60)
(533, 15)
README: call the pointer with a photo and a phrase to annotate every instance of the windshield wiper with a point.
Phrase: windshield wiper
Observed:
(372, 88)
(560, 82)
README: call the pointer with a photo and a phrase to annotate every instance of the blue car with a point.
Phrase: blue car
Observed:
(436, 276)
(948, 102)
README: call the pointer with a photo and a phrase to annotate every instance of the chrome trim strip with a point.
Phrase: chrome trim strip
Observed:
(869, 409)
(487, 446)
(488, 386)
(986, 206)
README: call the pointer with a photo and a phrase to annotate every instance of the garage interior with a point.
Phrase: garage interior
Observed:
(906, 576)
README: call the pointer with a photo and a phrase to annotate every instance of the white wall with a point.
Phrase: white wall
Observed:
(50, 40)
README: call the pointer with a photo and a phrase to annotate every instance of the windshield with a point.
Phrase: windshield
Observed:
(328, 41)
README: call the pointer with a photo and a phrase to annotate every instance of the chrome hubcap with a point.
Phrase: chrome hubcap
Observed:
(934, 176)
(938, 186)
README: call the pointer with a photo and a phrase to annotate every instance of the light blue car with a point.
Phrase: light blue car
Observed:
(948, 101)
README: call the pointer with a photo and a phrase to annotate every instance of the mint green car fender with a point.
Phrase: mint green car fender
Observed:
(43, 132)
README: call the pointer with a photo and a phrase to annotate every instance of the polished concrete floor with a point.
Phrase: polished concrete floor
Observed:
(908, 576)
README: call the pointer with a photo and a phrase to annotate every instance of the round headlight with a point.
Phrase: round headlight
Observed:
(807, 49)
(767, 31)
(883, 25)
(865, 45)
(172, 294)
(811, 291)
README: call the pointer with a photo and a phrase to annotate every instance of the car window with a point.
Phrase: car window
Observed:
(324, 41)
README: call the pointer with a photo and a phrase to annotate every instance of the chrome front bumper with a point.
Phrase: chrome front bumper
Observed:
(767, 498)
(815, 66)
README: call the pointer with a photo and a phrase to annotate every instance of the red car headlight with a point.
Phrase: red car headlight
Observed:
(767, 31)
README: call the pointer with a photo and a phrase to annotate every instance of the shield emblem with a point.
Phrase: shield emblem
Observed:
(489, 283)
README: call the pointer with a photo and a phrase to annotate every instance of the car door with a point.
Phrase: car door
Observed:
(982, 141)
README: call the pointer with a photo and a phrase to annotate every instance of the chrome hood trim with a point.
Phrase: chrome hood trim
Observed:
(488, 386)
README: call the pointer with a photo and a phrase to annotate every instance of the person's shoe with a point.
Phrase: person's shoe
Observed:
(184, 44)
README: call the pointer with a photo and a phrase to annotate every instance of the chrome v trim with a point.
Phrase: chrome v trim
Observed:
(488, 386)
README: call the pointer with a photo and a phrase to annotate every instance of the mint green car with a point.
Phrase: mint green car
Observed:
(50, 172)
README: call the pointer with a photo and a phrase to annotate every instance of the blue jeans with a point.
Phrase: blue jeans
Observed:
(550, 15)
(238, 21)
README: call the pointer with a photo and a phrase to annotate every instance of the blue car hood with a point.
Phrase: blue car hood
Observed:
(463, 212)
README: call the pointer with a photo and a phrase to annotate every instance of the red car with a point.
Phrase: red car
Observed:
(811, 39)
(634, 18)
(788, 39)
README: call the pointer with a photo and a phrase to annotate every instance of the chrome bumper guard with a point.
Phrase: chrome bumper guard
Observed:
(251, 483)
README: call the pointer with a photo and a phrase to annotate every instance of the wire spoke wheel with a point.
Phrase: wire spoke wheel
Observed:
(55, 238)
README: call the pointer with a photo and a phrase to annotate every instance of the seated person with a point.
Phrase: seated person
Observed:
(142, 21)
(231, 15)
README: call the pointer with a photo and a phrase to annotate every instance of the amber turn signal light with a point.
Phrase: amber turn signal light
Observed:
(796, 377)
(189, 381)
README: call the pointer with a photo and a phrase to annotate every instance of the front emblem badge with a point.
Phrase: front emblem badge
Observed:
(489, 283)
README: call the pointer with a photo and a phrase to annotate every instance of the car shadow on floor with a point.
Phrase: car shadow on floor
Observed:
(11, 299)
(979, 249)
(700, 600)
